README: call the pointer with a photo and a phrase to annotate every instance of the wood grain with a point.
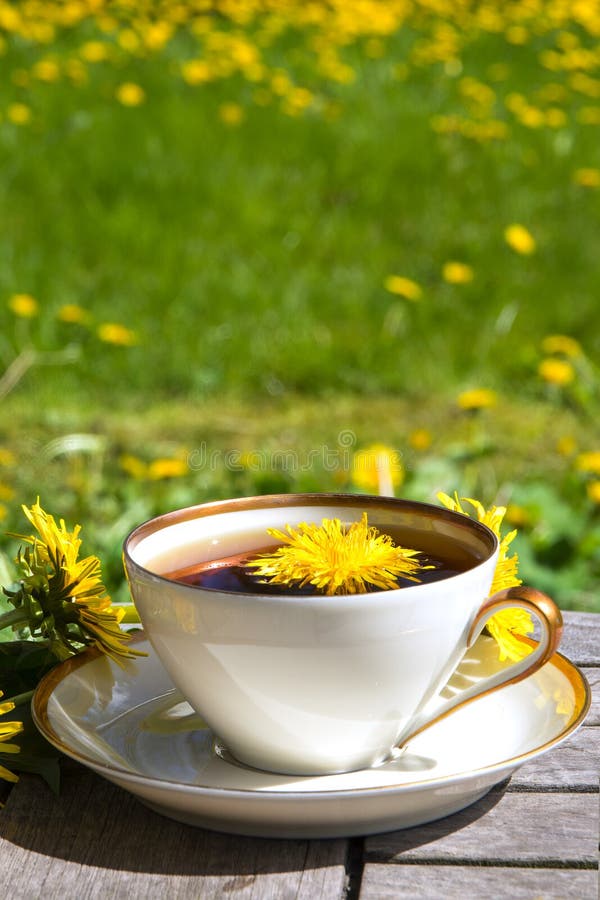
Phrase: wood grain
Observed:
(581, 638)
(572, 766)
(415, 882)
(542, 829)
(96, 841)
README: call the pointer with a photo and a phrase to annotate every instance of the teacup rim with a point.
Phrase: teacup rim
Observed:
(266, 501)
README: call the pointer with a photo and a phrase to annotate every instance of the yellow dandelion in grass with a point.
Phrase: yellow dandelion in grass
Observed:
(231, 114)
(420, 439)
(457, 272)
(24, 305)
(7, 457)
(566, 445)
(336, 559)
(520, 239)
(588, 462)
(119, 335)
(133, 466)
(73, 313)
(558, 372)
(6, 491)
(46, 70)
(196, 71)
(8, 730)
(403, 287)
(61, 597)
(378, 469)
(593, 491)
(517, 515)
(130, 94)
(477, 398)
(561, 343)
(587, 177)
(18, 114)
(94, 51)
(506, 625)
(167, 468)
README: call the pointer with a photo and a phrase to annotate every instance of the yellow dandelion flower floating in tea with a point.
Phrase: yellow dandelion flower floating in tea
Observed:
(505, 626)
(62, 598)
(336, 559)
(8, 730)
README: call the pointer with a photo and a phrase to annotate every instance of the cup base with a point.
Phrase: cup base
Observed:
(222, 751)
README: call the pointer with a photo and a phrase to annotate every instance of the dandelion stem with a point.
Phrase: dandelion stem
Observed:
(21, 698)
(14, 617)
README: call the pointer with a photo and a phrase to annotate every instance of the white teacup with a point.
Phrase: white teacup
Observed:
(309, 685)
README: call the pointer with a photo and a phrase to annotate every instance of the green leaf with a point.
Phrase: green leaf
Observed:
(23, 664)
(35, 755)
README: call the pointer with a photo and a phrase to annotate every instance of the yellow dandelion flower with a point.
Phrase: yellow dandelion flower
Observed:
(130, 94)
(378, 469)
(561, 343)
(46, 70)
(566, 445)
(133, 466)
(517, 515)
(477, 398)
(336, 558)
(24, 305)
(113, 333)
(593, 491)
(8, 730)
(403, 287)
(520, 239)
(587, 177)
(3, 512)
(73, 313)
(18, 114)
(588, 462)
(420, 439)
(556, 371)
(196, 71)
(62, 597)
(167, 468)
(94, 51)
(231, 114)
(506, 625)
(6, 491)
(457, 272)
(7, 457)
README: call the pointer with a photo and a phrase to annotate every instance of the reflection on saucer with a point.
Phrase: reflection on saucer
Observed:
(133, 727)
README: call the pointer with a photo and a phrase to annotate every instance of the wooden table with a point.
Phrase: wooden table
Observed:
(535, 836)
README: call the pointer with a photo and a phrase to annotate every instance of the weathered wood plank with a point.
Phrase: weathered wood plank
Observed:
(581, 638)
(414, 882)
(524, 829)
(593, 677)
(97, 842)
(572, 766)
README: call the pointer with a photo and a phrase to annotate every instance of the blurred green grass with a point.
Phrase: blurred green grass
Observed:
(252, 259)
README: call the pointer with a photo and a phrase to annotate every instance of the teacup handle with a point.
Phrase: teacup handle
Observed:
(550, 619)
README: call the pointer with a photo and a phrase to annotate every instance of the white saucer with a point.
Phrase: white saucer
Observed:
(134, 728)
